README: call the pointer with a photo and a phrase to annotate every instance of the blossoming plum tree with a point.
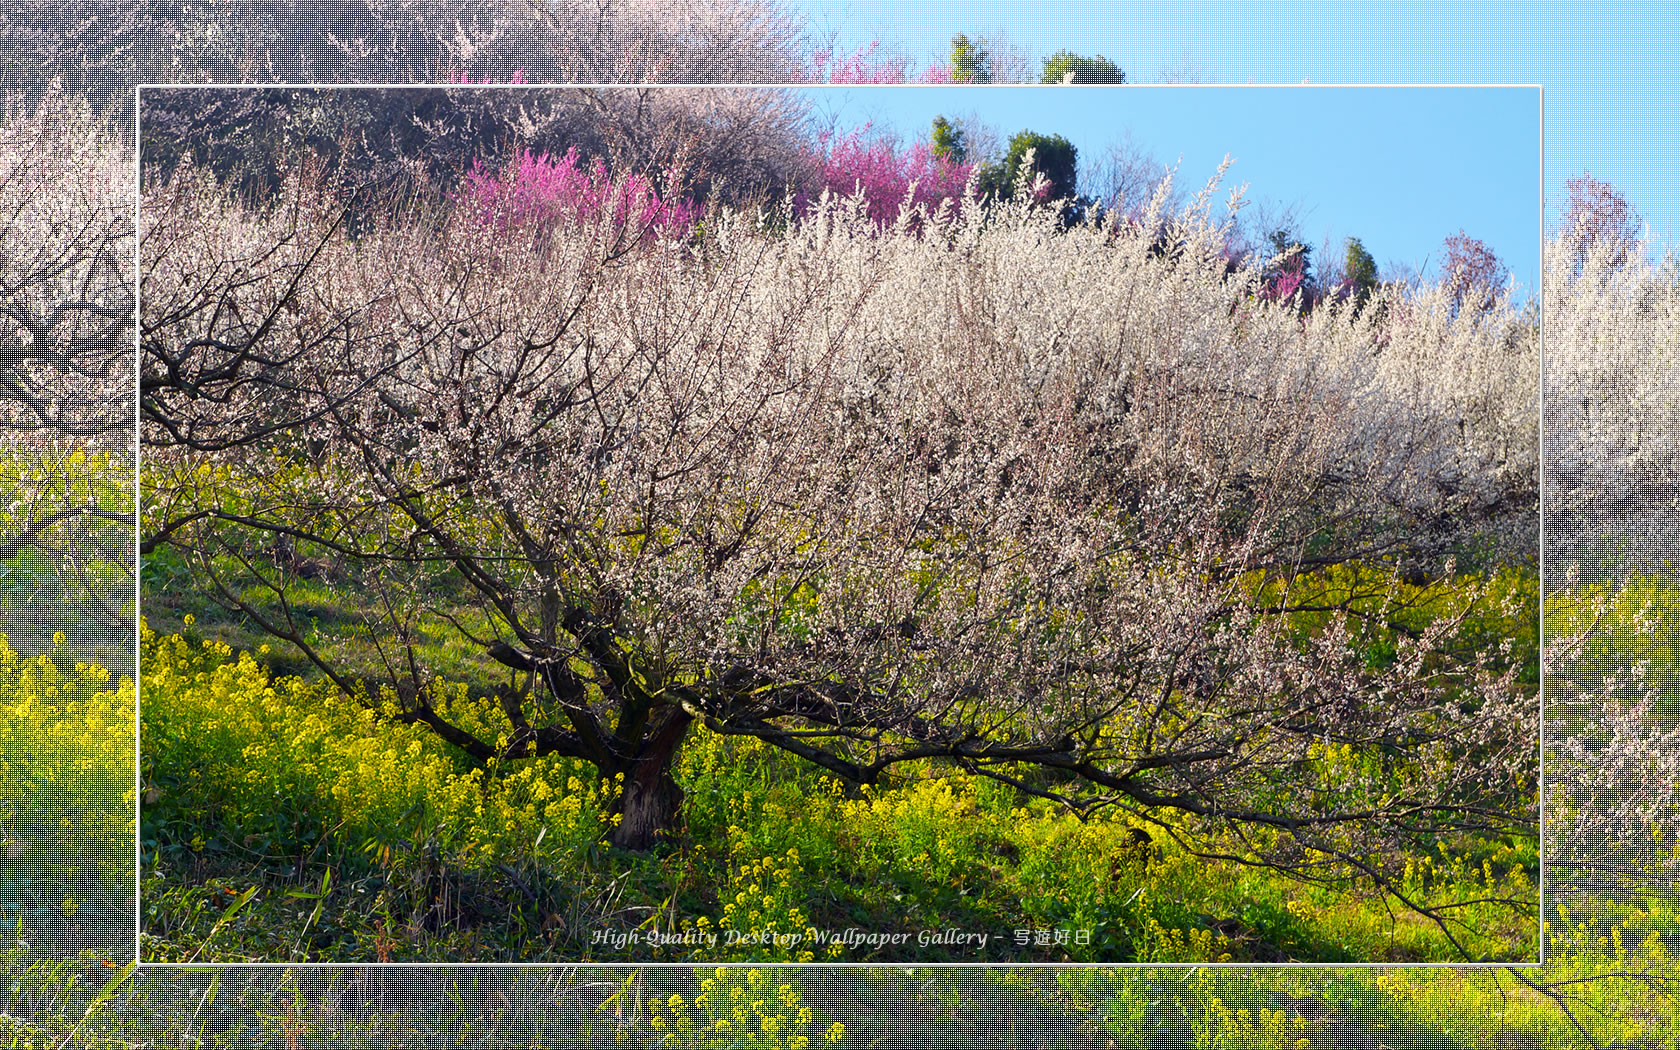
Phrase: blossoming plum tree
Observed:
(1471, 271)
(1596, 215)
(66, 364)
(66, 294)
(970, 489)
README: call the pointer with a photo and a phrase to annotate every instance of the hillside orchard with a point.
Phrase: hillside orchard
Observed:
(1080, 511)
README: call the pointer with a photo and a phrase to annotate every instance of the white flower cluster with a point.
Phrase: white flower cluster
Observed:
(66, 285)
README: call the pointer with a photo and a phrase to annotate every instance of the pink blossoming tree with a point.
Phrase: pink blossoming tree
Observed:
(887, 177)
(534, 190)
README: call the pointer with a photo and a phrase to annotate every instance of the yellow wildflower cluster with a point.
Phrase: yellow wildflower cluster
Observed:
(38, 692)
(929, 826)
(1214, 1022)
(256, 739)
(67, 754)
(738, 1009)
(762, 913)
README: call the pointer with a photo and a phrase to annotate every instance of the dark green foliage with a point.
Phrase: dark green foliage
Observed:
(1359, 271)
(1285, 243)
(970, 62)
(1067, 67)
(1054, 157)
(948, 141)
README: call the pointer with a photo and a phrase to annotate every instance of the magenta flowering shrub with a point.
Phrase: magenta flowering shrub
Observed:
(868, 65)
(887, 177)
(1289, 279)
(538, 189)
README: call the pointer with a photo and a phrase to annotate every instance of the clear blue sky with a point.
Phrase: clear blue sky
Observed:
(1399, 168)
(1610, 70)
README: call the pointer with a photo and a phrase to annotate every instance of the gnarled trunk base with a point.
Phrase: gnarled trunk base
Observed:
(650, 807)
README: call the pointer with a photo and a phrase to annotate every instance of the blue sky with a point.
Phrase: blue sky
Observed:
(1399, 168)
(1610, 71)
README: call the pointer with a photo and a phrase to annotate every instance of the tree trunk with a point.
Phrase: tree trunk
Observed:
(650, 807)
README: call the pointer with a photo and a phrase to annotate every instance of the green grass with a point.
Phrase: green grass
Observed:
(77, 1002)
(88, 599)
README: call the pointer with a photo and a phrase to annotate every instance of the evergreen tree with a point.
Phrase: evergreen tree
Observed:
(1359, 272)
(971, 63)
(1054, 157)
(1067, 67)
(948, 142)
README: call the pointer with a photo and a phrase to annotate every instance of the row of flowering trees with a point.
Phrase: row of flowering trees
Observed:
(539, 189)
(892, 180)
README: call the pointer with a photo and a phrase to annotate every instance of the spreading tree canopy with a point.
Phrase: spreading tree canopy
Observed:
(1065, 67)
(1031, 157)
(1037, 504)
